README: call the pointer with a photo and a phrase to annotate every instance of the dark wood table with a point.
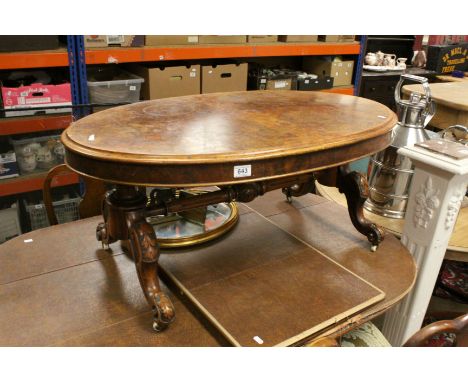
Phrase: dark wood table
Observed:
(247, 143)
(58, 288)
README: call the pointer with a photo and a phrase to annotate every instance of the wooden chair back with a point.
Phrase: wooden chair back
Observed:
(458, 326)
(90, 205)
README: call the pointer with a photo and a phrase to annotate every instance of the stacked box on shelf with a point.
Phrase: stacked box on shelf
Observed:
(168, 81)
(224, 78)
(262, 38)
(222, 39)
(103, 41)
(37, 152)
(272, 79)
(65, 208)
(166, 40)
(112, 85)
(341, 71)
(33, 92)
(337, 38)
(9, 223)
(297, 38)
(10, 43)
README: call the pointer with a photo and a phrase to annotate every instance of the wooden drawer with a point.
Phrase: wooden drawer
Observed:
(379, 88)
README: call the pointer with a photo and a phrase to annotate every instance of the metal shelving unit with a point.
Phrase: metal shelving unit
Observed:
(22, 125)
(123, 55)
(75, 57)
(33, 182)
(37, 123)
(35, 59)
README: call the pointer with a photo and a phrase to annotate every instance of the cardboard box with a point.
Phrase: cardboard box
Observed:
(297, 38)
(224, 78)
(262, 38)
(261, 78)
(279, 84)
(337, 38)
(222, 39)
(19, 43)
(103, 41)
(447, 58)
(341, 71)
(170, 40)
(34, 95)
(170, 81)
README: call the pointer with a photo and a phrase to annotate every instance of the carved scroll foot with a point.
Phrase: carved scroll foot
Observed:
(354, 185)
(146, 254)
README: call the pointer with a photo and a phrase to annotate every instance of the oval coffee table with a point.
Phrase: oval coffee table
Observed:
(246, 143)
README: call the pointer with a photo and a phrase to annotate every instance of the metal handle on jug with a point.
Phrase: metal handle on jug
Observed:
(429, 109)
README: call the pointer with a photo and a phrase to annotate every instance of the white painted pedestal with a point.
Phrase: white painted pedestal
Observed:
(438, 186)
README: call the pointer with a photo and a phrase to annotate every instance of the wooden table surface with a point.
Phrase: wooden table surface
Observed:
(197, 139)
(458, 244)
(447, 78)
(451, 94)
(58, 287)
(451, 100)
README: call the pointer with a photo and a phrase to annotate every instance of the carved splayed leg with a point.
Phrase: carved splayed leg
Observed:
(146, 254)
(354, 185)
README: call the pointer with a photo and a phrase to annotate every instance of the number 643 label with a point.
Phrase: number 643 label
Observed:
(242, 171)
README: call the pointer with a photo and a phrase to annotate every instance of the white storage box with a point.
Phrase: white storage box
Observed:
(113, 85)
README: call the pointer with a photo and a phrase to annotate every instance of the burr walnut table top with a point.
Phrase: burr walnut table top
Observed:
(198, 139)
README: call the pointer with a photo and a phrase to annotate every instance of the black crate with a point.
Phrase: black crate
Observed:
(322, 82)
(445, 59)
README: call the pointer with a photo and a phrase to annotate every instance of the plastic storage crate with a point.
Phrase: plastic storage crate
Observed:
(37, 153)
(9, 223)
(66, 210)
(113, 85)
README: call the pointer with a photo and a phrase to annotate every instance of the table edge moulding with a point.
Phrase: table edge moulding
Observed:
(83, 152)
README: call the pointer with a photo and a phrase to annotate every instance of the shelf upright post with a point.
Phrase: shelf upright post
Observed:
(362, 53)
(74, 81)
(82, 76)
(78, 78)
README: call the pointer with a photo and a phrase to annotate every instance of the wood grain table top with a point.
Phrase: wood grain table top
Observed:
(199, 140)
(218, 127)
(58, 287)
(451, 94)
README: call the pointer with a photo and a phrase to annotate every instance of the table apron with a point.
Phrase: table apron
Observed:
(204, 174)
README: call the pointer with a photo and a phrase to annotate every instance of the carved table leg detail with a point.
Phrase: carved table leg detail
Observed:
(145, 252)
(354, 185)
(299, 190)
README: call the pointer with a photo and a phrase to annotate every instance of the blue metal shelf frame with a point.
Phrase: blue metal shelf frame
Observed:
(362, 52)
(74, 81)
(78, 77)
(78, 81)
